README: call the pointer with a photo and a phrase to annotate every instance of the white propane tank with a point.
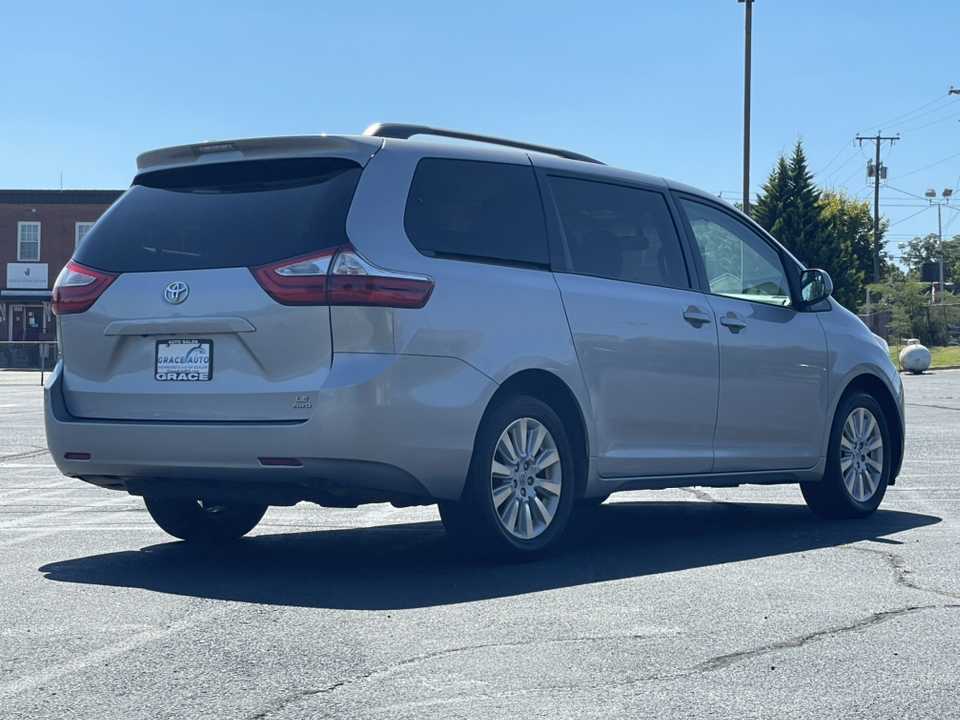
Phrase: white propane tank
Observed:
(914, 357)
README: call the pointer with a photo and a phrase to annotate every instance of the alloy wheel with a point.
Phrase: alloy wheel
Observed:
(861, 454)
(526, 478)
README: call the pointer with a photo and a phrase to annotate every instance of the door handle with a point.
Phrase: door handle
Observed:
(732, 322)
(695, 316)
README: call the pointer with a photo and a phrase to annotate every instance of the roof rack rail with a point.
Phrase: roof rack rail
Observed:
(405, 132)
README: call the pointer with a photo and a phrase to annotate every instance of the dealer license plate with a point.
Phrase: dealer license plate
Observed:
(184, 360)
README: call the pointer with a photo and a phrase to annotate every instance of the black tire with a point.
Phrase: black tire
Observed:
(200, 521)
(852, 487)
(535, 500)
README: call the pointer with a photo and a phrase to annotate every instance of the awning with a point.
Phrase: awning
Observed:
(25, 297)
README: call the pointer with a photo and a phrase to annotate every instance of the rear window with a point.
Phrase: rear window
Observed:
(475, 210)
(224, 215)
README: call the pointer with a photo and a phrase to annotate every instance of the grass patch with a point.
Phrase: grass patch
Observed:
(940, 356)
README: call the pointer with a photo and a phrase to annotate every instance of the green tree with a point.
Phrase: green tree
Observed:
(892, 272)
(791, 208)
(913, 316)
(927, 250)
(852, 220)
(770, 209)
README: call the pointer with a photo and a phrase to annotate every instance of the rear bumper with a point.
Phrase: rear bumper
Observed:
(385, 427)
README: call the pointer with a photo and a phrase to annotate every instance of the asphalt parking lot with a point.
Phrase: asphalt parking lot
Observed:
(691, 603)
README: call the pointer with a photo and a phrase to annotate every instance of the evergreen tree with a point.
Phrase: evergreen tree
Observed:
(792, 209)
(805, 229)
(770, 208)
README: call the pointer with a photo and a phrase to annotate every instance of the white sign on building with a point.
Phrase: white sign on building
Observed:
(26, 276)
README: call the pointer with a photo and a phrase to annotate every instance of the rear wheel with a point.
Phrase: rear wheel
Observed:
(519, 490)
(858, 462)
(202, 521)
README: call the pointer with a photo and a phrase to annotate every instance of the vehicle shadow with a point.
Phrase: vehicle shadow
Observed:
(414, 565)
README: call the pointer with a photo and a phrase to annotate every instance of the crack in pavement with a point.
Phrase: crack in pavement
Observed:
(902, 574)
(281, 703)
(938, 407)
(287, 700)
(717, 663)
(723, 661)
(23, 455)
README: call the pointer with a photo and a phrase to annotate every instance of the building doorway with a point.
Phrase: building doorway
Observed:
(27, 322)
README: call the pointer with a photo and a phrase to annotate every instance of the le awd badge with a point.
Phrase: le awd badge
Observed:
(303, 401)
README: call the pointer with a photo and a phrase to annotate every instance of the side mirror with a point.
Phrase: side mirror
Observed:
(815, 285)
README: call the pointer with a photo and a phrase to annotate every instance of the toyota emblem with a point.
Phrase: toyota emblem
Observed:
(176, 292)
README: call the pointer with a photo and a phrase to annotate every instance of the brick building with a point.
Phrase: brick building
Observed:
(38, 231)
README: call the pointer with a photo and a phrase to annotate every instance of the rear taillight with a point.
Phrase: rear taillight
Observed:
(77, 288)
(300, 281)
(341, 276)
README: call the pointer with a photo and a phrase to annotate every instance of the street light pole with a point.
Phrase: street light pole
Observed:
(941, 286)
(746, 104)
(931, 194)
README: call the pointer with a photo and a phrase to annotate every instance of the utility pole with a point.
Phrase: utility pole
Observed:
(746, 105)
(879, 172)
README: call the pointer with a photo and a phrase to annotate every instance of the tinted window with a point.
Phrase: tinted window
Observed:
(476, 210)
(619, 232)
(738, 261)
(224, 215)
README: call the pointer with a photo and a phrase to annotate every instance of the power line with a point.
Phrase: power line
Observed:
(938, 162)
(841, 167)
(851, 176)
(911, 216)
(930, 112)
(920, 197)
(934, 122)
(834, 158)
(900, 117)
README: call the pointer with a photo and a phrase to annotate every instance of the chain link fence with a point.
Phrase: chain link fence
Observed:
(27, 363)
(933, 325)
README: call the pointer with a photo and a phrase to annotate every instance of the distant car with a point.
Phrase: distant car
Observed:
(503, 329)
(953, 343)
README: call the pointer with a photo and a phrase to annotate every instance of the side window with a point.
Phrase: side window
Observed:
(739, 262)
(619, 232)
(476, 211)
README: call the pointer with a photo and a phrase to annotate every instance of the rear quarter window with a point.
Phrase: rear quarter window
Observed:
(472, 210)
(224, 215)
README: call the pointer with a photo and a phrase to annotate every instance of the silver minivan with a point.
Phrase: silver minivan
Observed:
(507, 330)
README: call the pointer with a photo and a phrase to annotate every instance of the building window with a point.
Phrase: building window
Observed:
(82, 228)
(28, 249)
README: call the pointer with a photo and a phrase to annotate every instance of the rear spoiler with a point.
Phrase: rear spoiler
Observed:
(359, 149)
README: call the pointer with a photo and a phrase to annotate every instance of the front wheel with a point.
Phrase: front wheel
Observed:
(858, 462)
(200, 521)
(519, 491)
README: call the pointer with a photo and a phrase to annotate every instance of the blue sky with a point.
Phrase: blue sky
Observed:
(654, 86)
